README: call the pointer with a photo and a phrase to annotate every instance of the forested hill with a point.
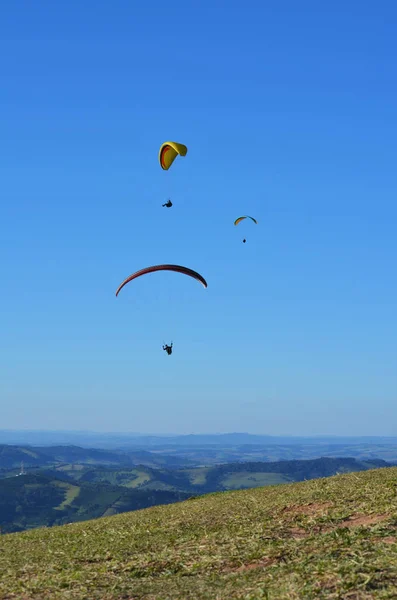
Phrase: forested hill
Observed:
(298, 470)
(11, 457)
(31, 501)
(68, 492)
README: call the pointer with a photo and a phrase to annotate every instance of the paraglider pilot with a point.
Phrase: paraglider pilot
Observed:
(168, 349)
(168, 204)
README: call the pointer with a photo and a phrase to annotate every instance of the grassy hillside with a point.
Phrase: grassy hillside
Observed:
(326, 538)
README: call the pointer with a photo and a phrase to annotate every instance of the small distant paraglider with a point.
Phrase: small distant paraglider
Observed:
(168, 153)
(168, 349)
(237, 221)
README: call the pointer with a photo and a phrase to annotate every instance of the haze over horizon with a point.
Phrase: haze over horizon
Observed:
(8, 435)
(289, 114)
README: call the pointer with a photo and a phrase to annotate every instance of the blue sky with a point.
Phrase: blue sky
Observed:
(289, 113)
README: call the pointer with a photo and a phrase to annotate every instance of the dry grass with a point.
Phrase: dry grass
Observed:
(327, 538)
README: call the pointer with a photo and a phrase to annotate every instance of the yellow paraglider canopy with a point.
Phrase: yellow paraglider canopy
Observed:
(168, 153)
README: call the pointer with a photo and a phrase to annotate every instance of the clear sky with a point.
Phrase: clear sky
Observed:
(289, 112)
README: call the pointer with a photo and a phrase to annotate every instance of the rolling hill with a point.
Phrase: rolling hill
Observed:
(68, 493)
(12, 456)
(36, 500)
(189, 456)
(327, 538)
(216, 478)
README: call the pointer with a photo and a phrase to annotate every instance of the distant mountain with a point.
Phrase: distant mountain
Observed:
(12, 456)
(36, 456)
(234, 439)
(90, 439)
(178, 457)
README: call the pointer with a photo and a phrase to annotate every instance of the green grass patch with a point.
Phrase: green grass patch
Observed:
(71, 493)
(249, 480)
(71, 468)
(139, 478)
(29, 452)
(197, 476)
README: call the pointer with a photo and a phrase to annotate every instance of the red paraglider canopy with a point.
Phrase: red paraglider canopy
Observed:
(176, 268)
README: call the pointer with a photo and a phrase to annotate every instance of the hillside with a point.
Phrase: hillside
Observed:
(78, 492)
(12, 456)
(217, 478)
(36, 500)
(32, 457)
(326, 538)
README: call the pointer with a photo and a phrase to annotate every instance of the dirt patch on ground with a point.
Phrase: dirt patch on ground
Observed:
(362, 520)
(256, 564)
(352, 521)
(386, 540)
(313, 508)
(298, 533)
